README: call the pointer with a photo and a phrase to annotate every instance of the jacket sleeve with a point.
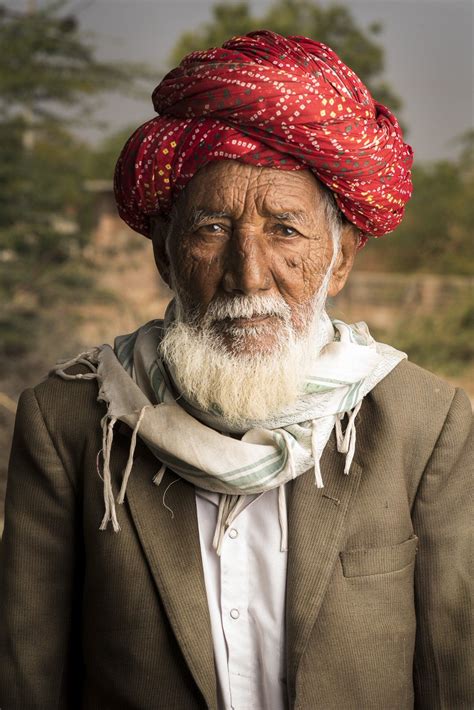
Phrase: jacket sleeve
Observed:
(39, 593)
(442, 521)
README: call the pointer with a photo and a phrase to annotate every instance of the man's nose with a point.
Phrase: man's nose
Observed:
(247, 269)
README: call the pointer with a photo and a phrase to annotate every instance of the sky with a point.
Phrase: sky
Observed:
(428, 43)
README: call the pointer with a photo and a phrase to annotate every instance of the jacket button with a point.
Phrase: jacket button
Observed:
(234, 613)
(233, 533)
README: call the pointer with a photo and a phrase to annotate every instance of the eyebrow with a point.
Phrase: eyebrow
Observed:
(293, 216)
(200, 215)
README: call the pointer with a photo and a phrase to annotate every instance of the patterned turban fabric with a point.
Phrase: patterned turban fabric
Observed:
(270, 101)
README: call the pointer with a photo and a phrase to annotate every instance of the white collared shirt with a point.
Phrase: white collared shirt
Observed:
(246, 589)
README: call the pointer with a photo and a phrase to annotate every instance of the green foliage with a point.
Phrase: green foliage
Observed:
(441, 342)
(43, 226)
(333, 25)
(436, 234)
(101, 161)
(48, 73)
(47, 66)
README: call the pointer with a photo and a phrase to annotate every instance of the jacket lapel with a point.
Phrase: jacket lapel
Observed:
(170, 539)
(316, 519)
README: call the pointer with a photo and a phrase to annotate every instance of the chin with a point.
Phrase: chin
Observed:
(246, 358)
(252, 340)
(246, 373)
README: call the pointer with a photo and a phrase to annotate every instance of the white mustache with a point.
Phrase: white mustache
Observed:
(247, 307)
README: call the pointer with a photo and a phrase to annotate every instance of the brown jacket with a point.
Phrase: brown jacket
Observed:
(377, 592)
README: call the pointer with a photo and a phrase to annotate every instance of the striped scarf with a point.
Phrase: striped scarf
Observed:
(197, 445)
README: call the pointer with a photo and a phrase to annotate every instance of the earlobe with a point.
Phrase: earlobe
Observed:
(347, 251)
(159, 232)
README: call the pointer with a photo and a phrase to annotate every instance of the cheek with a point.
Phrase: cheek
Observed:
(197, 274)
(299, 270)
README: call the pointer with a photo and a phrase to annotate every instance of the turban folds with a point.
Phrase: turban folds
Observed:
(270, 101)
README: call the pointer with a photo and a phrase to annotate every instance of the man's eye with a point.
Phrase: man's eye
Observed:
(285, 231)
(211, 228)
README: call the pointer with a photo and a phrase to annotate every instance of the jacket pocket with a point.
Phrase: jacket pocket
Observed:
(378, 560)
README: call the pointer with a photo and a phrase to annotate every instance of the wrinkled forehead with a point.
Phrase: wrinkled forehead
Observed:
(232, 186)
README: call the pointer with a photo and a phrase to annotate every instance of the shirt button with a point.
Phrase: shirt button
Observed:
(233, 533)
(234, 613)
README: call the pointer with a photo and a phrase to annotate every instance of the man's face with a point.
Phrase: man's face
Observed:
(245, 231)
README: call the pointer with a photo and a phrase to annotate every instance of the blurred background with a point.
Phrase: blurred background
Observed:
(76, 79)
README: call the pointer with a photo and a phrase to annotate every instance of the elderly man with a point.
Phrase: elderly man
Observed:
(293, 524)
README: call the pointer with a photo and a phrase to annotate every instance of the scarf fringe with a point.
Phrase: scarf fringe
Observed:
(290, 455)
(230, 505)
(158, 477)
(129, 466)
(219, 529)
(110, 514)
(107, 439)
(318, 479)
(89, 358)
(164, 496)
(346, 442)
(229, 508)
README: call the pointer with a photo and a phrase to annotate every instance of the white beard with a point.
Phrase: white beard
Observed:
(252, 384)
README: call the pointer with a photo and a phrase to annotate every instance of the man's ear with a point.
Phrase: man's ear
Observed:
(159, 232)
(345, 260)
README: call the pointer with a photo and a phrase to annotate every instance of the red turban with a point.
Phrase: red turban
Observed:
(287, 103)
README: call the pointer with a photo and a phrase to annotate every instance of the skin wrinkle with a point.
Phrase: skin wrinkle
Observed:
(249, 292)
(199, 216)
(248, 251)
(244, 384)
(292, 216)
